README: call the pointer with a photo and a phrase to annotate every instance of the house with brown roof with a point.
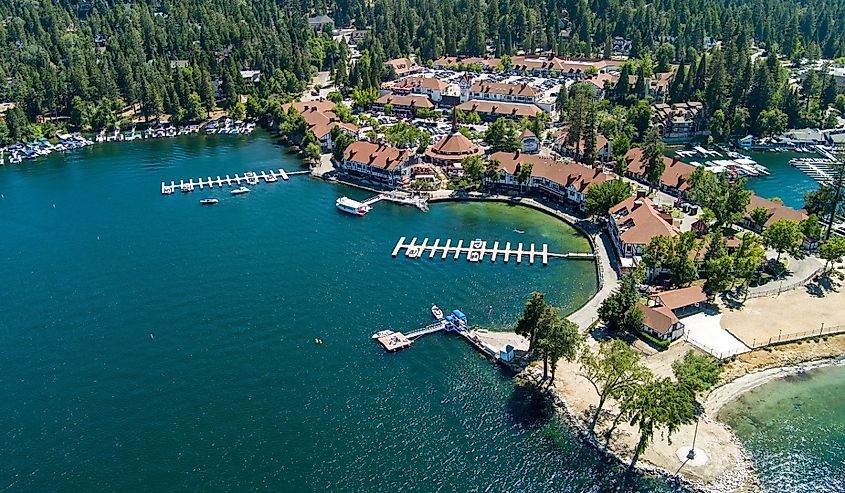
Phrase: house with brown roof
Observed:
(322, 120)
(661, 317)
(490, 110)
(776, 210)
(556, 180)
(679, 122)
(403, 104)
(380, 163)
(634, 222)
(683, 301)
(661, 323)
(675, 177)
(449, 151)
(404, 66)
(500, 91)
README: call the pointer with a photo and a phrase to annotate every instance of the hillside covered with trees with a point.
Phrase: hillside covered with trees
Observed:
(93, 60)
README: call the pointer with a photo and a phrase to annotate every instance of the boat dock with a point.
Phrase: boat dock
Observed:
(248, 178)
(401, 198)
(820, 169)
(477, 250)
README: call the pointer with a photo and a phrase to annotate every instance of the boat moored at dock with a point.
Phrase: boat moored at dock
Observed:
(437, 312)
(350, 206)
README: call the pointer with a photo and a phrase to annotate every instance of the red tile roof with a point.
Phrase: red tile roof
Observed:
(638, 221)
(676, 175)
(659, 319)
(406, 100)
(380, 156)
(777, 210)
(566, 174)
(500, 108)
(504, 89)
(679, 298)
(453, 147)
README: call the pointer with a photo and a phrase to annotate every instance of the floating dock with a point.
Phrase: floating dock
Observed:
(248, 178)
(478, 251)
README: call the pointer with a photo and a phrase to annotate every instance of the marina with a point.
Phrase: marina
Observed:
(248, 178)
(819, 169)
(477, 250)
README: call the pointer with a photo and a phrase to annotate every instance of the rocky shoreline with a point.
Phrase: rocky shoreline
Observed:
(741, 478)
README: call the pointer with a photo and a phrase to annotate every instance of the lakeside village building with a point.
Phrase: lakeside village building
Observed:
(321, 120)
(493, 92)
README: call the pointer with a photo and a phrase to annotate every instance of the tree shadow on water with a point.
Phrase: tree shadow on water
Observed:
(529, 407)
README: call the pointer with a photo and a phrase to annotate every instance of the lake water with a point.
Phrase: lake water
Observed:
(794, 429)
(153, 344)
(785, 182)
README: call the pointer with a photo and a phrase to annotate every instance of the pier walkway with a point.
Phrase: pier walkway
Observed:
(248, 178)
(420, 203)
(477, 250)
(428, 329)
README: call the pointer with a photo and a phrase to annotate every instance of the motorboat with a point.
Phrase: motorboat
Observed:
(352, 206)
(240, 191)
(437, 312)
(477, 243)
(382, 333)
(474, 256)
(209, 201)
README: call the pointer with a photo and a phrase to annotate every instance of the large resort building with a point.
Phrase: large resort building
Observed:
(565, 182)
(497, 91)
(491, 110)
(379, 163)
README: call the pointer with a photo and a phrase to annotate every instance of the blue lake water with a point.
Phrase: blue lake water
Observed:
(153, 344)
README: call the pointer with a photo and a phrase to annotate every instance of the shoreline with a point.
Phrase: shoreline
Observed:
(729, 391)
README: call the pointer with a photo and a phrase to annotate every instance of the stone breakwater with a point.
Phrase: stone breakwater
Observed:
(740, 478)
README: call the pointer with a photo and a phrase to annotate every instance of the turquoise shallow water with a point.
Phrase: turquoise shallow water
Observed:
(795, 431)
(152, 344)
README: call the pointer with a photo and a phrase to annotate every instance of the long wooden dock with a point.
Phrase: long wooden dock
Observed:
(248, 178)
(478, 250)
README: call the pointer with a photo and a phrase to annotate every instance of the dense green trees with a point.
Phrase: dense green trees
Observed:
(602, 196)
(619, 311)
(725, 198)
(551, 335)
(93, 61)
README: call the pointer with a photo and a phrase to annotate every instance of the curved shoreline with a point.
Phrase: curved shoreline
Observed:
(734, 389)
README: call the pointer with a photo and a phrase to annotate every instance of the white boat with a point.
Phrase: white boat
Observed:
(352, 206)
(209, 201)
(240, 191)
(382, 333)
(437, 312)
(477, 243)
(474, 256)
